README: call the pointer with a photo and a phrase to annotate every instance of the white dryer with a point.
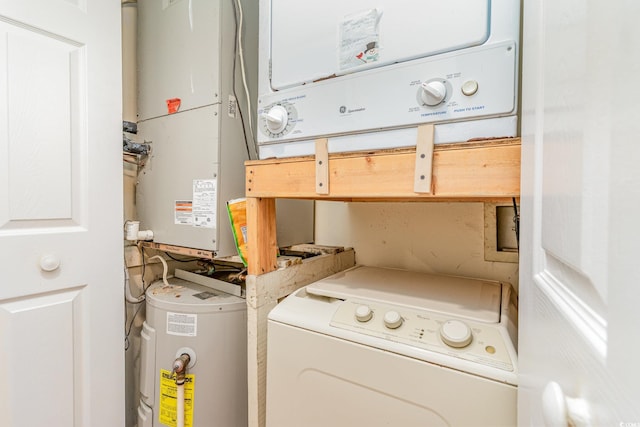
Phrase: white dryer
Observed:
(385, 347)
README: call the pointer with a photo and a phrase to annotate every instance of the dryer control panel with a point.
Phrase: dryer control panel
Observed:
(461, 338)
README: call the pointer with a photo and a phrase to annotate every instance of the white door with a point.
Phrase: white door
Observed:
(61, 307)
(580, 238)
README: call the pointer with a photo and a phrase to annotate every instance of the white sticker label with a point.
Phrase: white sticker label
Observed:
(183, 212)
(232, 106)
(185, 325)
(204, 202)
(359, 39)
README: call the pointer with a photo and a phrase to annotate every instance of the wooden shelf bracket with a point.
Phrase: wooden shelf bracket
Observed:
(322, 166)
(423, 172)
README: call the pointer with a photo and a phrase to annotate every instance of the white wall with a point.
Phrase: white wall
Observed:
(434, 237)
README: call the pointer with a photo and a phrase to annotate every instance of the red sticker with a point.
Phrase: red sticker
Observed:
(173, 105)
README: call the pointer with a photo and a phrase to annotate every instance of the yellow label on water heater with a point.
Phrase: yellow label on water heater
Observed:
(167, 414)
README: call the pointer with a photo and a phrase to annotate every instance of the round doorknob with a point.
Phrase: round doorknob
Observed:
(559, 410)
(49, 262)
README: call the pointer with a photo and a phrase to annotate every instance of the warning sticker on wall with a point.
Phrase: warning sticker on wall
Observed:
(183, 212)
(359, 39)
(204, 202)
(169, 399)
(173, 105)
(185, 325)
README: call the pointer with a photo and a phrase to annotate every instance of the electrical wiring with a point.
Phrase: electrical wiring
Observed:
(242, 67)
(127, 330)
(238, 52)
(516, 220)
(181, 260)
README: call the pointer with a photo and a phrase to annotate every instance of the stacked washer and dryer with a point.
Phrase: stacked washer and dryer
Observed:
(383, 347)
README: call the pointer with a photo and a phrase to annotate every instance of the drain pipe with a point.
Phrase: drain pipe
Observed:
(180, 368)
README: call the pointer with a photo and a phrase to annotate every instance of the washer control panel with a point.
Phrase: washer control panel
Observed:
(465, 339)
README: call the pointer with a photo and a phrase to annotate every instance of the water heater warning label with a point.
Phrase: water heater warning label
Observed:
(185, 325)
(183, 212)
(169, 399)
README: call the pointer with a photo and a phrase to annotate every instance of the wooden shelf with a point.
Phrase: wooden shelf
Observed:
(462, 171)
(487, 170)
(470, 171)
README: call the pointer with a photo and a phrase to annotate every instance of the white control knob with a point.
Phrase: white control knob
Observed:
(455, 333)
(276, 119)
(433, 93)
(392, 319)
(363, 313)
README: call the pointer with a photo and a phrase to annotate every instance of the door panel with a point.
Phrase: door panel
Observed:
(38, 110)
(61, 258)
(578, 271)
(41, 146)
(41, 334)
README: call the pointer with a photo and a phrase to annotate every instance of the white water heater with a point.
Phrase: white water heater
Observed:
(211, 327)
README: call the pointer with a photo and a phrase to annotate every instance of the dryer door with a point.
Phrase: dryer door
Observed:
(316, 40)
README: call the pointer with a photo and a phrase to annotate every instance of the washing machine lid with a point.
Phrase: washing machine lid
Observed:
(474, 299)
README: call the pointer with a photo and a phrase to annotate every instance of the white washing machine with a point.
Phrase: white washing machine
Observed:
(385, 347)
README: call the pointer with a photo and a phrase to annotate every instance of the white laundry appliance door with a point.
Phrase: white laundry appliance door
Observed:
(315, 380)
(335, 37)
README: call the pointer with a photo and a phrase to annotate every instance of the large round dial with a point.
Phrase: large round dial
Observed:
(363, 313)
(276, 119)
(455, 333)
(433, 93)
(392, 319)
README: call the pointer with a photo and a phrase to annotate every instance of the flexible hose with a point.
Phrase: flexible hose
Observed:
(127, 290)
(165, 268)
(180, 406)
(180, 369)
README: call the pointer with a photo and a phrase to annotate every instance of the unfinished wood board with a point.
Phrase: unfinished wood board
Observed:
(322, 166)
(423, 171)
(257, 364)
(263, 293)
(261, 235)
(487, 169)
(316, 249)
(180, 250)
